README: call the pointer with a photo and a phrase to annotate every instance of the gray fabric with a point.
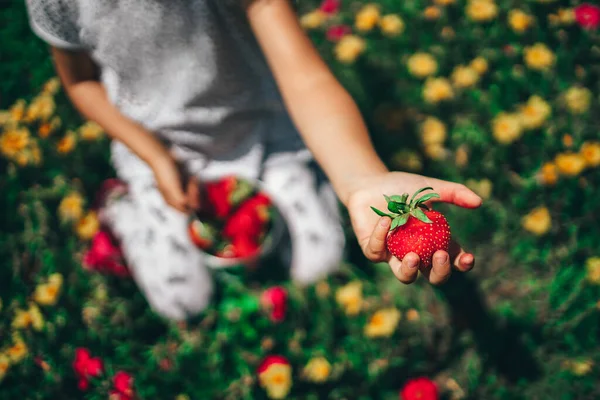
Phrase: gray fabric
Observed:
(188, 70)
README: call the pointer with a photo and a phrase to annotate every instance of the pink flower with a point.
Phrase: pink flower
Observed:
(337, 32)
(105, 256)
(123, 386)
(86, 367)
(330, 6)
(274, 300)
(419, 389)
(587, 16)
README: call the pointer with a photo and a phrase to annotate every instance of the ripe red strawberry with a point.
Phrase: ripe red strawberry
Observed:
(224, 195)
(249, 219)
(415, 228)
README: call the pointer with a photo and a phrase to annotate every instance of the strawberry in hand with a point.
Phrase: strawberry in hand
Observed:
(361, 193)
(415, 227)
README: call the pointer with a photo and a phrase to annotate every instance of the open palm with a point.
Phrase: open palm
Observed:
(371, 230)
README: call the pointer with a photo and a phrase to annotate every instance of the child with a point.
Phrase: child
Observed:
(197, 89)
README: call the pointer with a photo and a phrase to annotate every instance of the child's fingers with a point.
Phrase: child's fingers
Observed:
(193, 193)
(406, 271)
(440, 270)
(462, 260)
(455, 193)
(375, 250)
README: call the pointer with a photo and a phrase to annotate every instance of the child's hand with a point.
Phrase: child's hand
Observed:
(179, 191)
(371, 230)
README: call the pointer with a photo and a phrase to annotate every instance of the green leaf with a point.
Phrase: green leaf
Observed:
(399, 221)
(398, 199)
(418, 192)
(427, 197)
(380, 213)
(394, 207)
(420, 215)
(387, 198)
(404, 197)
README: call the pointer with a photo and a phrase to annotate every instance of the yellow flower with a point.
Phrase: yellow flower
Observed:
(570, 164)
(591, 153)
(367, 18)
(437, 90)
(519, 21)
(313, 19)
(317, 370)
(447, 33)
(14, 141)
(41, 108)
(538, 221)
(539, 57)
(464, 77)
(391, 25)
(383, 323)
(578, 99)
(47, 294)
(567, 140)
(566, 16)
(71, 207)
(87, 226)
(91, 131)
(432, 13)
(51, 86)
(17, 111)
(5, 117)
(46, 128)
(483, 187)
(407, 160)
(67, 143)
(480, 65)
(349, 48)
(18, 351)
(4, 366)
(422, 65)
(535, 112)
(506, 128)
(578, 367)
(436, 151)
(444, 2)
(412, 315)
(276, 380)
(350, 297)
(592, 266)
(28, 318)
(548, 174)
(433, 131)
(482, 10)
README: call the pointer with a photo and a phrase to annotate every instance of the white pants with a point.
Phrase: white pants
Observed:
(168, 268)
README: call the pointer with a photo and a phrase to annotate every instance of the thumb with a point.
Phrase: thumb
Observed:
(175, 196)
(455, 193)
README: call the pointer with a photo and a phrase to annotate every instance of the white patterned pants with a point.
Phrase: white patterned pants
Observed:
(169, 270)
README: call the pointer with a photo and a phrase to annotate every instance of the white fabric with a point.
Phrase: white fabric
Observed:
(188, 70)
(168, 268)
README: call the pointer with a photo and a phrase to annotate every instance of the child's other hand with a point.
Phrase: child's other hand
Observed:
(179, 191)
(371, 230)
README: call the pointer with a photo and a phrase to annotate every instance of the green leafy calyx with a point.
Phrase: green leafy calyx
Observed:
(401, 209)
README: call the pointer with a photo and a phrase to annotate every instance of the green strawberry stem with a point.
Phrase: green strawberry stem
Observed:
(401, 211)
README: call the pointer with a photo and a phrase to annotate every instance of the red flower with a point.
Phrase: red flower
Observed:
(419, 389)
(274, 300)
(271, 360)
(123, 386)
(105, 256)
(219, 195)
(587, 16)
(337, 32)
(86, 367)
(109, 190)
(330, 6)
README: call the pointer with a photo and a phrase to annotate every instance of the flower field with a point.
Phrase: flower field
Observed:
(497, 94)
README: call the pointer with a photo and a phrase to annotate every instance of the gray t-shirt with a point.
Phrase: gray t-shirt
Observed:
(188, 70)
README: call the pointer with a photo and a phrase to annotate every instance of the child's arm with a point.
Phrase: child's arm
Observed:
(332, 127)
(79, 76)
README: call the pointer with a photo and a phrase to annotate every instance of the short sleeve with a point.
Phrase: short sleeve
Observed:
(55, 22)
